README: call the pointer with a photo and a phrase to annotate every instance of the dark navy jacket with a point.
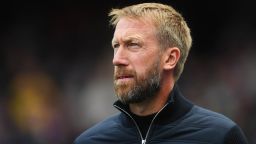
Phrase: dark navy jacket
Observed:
(179, 122)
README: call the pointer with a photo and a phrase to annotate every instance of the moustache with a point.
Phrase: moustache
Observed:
(123, 73)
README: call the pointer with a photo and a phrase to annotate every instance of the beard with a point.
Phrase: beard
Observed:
(139, 88)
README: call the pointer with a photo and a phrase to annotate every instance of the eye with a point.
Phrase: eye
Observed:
(133, 45)
(116, 45)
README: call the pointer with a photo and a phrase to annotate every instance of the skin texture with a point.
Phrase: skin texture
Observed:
(140, 62)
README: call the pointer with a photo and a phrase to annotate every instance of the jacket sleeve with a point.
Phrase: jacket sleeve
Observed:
(235, 136)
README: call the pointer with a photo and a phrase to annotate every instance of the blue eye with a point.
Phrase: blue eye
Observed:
(115, 45)
(133, 45)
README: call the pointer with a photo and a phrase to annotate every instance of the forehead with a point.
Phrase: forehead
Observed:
(134, 28)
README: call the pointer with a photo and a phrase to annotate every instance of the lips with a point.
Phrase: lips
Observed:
(123, 74)
(123, 77)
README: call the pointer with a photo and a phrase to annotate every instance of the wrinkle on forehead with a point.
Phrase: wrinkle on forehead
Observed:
(132, 29)
(134, 38)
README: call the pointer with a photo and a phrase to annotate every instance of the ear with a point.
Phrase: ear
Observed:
(171, 57)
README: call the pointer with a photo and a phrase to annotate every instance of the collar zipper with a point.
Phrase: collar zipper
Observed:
(143, 141)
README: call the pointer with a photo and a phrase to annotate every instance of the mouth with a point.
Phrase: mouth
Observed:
(123, 77)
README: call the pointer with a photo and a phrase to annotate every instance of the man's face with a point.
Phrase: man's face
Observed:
(137, 64)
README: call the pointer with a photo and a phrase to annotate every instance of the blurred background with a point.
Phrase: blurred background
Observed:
(56, 65)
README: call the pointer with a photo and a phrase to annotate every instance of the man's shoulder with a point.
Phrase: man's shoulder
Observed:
(108, 124)
(208, 118)
(212, 125)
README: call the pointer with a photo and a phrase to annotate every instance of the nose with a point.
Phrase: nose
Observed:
(120, 57)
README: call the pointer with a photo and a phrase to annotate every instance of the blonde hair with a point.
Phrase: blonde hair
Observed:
(171, 28)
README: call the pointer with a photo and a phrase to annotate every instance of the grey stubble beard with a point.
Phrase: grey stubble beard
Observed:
(144, 88)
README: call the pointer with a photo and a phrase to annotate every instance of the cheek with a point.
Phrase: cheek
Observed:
(142, 64)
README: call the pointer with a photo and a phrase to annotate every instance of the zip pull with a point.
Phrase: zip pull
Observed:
(143, 141)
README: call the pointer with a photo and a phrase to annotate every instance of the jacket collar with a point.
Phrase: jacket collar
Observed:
(177, 106)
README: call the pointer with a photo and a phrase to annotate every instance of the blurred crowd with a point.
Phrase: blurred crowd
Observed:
(56, 67)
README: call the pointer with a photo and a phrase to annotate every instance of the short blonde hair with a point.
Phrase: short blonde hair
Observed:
(171, 27)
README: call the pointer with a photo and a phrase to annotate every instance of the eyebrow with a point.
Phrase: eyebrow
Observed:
(136, 38)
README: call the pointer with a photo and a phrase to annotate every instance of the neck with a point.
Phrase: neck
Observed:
(153, 105)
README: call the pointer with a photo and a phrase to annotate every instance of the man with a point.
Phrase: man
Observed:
(151, 43)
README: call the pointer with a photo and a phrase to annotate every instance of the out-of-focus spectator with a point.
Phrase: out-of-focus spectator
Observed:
(35, 106)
